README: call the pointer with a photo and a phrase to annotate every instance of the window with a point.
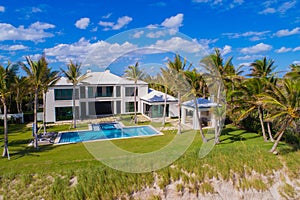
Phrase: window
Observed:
(130, 106)
(82, 92)
(91, 92)
(129, 91)
(105, 91)
(118, 107)
(65, 94)
(118, 91)
(63, 113)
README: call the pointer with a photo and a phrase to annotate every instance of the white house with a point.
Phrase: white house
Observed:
(102, 93)
(189, 114)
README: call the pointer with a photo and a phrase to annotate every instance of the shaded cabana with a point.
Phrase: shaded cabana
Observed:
(189, 117)
(153, 105)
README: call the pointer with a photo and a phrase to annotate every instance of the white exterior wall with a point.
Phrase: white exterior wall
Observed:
(51, 103)
(173, 110)
(195, 123)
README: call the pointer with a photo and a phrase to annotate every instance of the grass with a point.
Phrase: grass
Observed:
(48, 172)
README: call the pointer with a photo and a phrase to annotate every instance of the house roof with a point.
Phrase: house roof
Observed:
(201, 102)
(101, 78)
(157, 96)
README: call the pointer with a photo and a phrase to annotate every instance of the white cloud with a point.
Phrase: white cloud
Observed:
(13, 47)
(100, 53)
(138, 34)
(296, 49)
(261, 47)
(268, 11)
(296, 62)
(281, 9)
(82, 23)
(36, 10)
(229, 4)
(2, 9)
(283, 50)
(41, 26)
(121, 22)
(286, 6)
(35, 32)
(157, 34)
(254, 35)
(286, 32)
(249, 57)
(226, 50)
(177, 44)
(107, 16)
(173, 22)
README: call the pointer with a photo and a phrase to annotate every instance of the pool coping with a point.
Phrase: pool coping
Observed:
(57, 139)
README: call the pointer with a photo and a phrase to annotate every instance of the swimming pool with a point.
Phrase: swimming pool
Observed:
(106, 131)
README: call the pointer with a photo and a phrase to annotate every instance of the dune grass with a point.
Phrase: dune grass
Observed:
(70, 172)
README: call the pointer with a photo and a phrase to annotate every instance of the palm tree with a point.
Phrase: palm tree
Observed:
(20, 87)
(283, 104)
(35, 73)
(294, 73)
(219, 78)
(195, 80)
(6, 78)
(134, 73)
(176, 69)
(263, 69)
(49, 79)
(74, 76)
(249, 100)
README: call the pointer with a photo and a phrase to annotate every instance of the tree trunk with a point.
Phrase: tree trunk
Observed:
(44, 112)
(135, 118)
(260, 113)
(199, 120)
(35, 129)
(165, 108)
(270, 132)
(5, 149)
(179, 117)
(280, 134)
(217, 122)
(74, 107)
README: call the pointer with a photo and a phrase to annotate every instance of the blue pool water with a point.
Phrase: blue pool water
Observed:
(106, 131)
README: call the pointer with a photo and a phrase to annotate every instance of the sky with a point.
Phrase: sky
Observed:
(74, 30)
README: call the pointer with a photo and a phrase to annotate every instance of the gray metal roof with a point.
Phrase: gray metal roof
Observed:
(101, 78)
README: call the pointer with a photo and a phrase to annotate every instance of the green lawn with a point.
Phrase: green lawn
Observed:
(50, 171)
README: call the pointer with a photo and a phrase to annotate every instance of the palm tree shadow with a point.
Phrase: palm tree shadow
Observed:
(231, 137)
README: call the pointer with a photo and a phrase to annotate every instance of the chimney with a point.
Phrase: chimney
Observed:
(107, 70)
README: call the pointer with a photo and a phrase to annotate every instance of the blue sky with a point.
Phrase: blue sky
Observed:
(64, 30)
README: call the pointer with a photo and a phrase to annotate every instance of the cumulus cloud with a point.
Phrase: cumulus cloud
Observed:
(100, 53)
(121, 22)
(249, 57)
(286, 32)
(283, 50)
(261, 47)
(2, 9)
(82, 23)
(177, 44)
(138, 34)
(173, 22)
(35, 32)
(226, 50)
